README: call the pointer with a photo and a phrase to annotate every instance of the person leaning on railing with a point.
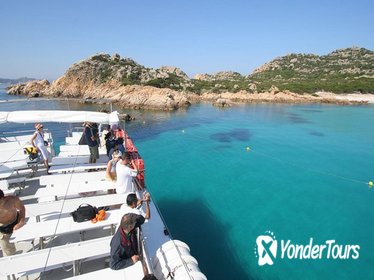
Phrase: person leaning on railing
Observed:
(133, 205)
(124, 245)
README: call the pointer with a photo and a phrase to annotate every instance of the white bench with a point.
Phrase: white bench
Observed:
(74, 148)
(76, 167)
(9, 168)
(46, 259)
(16, 182)
(64, 225)
(17, 164)
(70, 160)
(4, 185)
(74, 188)
(79, 148)
(72, 140)
(134, 272)
(6, 172)
(13, 155)
(59, 179)
(13, 183)
(13, 145)
(69, 205)
(73, 159)
(77, 133)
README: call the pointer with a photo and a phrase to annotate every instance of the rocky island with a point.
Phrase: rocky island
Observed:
(294, 78)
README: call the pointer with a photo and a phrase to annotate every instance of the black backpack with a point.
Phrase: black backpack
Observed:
(85, 212)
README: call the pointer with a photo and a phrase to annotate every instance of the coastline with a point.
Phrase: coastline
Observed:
(165, 99)
(352, 97)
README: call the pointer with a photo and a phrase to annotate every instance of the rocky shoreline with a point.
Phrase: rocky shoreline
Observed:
(283, 80)
(147, 97)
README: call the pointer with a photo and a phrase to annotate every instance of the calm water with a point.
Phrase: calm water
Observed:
(304, 176)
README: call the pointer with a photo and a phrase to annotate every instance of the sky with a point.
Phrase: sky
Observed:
(42, 38)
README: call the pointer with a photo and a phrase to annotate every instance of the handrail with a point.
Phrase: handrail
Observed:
(143, 255)
(18, 131)
(171, 238)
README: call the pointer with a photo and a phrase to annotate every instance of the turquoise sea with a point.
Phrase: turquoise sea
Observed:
(222, 177)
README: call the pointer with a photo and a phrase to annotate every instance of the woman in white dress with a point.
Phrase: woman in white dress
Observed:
(37, 141)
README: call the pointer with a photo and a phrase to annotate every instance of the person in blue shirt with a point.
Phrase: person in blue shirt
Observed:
(124, 245)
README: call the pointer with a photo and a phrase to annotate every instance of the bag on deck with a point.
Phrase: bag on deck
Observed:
(32, 152)
(85, 212)
(82, 140)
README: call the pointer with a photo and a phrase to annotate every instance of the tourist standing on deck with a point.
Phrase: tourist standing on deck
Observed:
(12, 217)
(91, 133)
(111, 174)
(125, 174)
(37, 141)
(124, 245)
(119, 135)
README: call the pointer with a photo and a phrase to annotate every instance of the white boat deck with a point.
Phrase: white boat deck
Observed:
(46, 259)
(64, 225)
(73, 189)
(71, 167)
(48, 209)
(77, 177)
(83, 244)
(134, 272)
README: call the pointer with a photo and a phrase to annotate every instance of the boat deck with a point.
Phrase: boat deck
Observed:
(27, 195)
(50, 245)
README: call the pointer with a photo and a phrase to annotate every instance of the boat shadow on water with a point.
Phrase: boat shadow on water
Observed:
(192, 222)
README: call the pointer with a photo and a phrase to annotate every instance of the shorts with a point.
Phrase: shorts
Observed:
(5, 245)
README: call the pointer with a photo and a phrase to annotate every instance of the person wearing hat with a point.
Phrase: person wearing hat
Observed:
(124, 245)
(91, 133)
(37, 141)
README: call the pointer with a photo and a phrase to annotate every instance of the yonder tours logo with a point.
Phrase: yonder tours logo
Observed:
(267, 246)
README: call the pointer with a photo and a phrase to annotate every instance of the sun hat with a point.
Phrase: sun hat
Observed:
(38, 125)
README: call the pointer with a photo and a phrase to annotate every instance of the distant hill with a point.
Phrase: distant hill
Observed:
(15, 81)
(101, 68)
(342, 71)
(347, 70)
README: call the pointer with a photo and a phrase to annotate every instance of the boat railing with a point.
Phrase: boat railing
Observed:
(183, 263)
(143, 254)
(15, 133)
